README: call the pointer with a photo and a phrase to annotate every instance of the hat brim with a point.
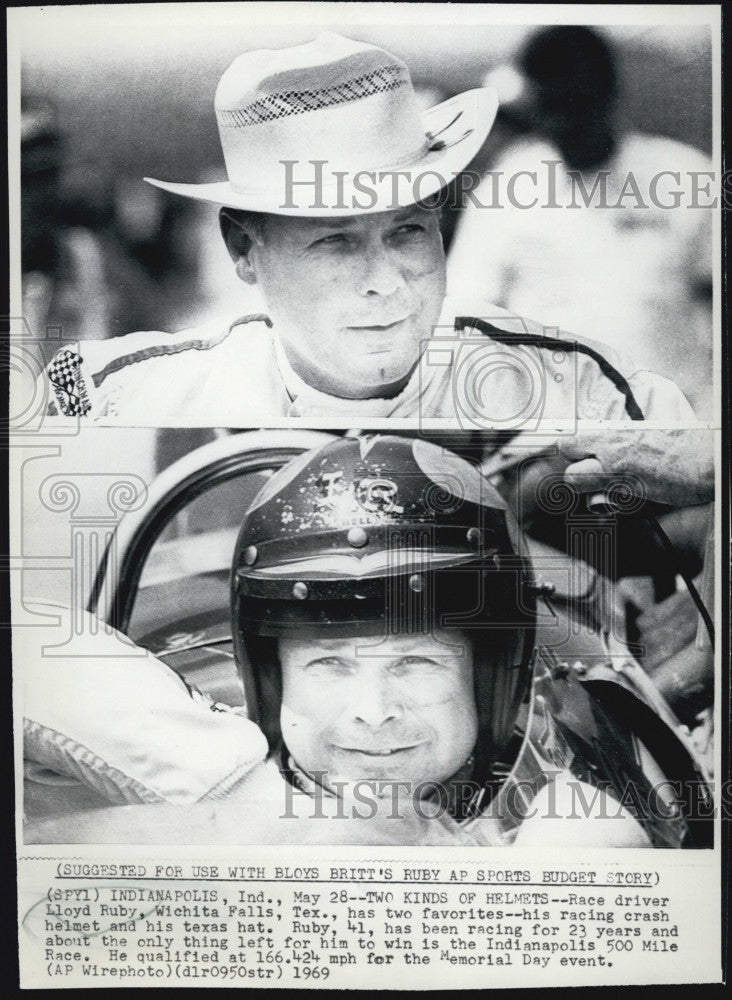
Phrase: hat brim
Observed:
(458, 127)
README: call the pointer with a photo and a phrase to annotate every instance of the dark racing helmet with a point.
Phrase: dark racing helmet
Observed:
(384, 535)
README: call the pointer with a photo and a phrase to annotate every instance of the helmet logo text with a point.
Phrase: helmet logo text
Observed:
(378, 496)
(328, 481)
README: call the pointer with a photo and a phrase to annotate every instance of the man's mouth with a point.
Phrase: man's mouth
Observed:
(378, 327)
(370, 752)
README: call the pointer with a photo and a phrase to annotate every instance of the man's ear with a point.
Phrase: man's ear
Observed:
(239, 245)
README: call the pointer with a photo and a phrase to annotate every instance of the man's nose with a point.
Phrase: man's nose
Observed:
(376, 702)
(381, 272)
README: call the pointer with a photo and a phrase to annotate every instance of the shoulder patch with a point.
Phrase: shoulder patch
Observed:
(67, 381)
(557, 343)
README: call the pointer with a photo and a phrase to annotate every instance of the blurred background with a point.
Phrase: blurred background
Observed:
(110, 94)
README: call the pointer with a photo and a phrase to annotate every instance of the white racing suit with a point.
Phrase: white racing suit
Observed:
(482, 366)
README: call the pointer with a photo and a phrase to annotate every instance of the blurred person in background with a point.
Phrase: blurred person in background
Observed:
(100, 256)
(153, 255)
(636, 278)
(63, 284)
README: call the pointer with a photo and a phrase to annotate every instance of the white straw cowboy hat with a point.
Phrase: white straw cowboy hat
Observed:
(352, 108)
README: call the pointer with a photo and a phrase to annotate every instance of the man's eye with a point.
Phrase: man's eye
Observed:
(416, 664)
(409, 229)
(328, 665)
(332, 238)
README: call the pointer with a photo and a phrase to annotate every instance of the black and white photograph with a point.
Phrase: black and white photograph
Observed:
(496, 224)
(365, 494)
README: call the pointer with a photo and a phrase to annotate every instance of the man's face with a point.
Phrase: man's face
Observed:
(396, 709)
(353, 298)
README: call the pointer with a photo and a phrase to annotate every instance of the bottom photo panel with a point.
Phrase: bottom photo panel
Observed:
(299, 637)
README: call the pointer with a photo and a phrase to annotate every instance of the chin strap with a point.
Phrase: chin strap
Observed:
(449, 792)
(301, 779)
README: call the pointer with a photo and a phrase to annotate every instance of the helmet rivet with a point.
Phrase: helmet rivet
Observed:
(250, 555)
(416, 583)
(474, 536)
(300, 590)
(357, 537)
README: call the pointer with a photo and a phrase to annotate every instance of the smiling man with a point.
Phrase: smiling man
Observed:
(331, 209)
(404, 713)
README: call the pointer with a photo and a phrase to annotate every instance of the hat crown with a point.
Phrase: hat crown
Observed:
(326, 61)
(344, 102)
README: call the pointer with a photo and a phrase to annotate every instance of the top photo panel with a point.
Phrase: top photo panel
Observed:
(222, 221)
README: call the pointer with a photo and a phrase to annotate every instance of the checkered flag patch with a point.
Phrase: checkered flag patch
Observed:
(67, 380)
